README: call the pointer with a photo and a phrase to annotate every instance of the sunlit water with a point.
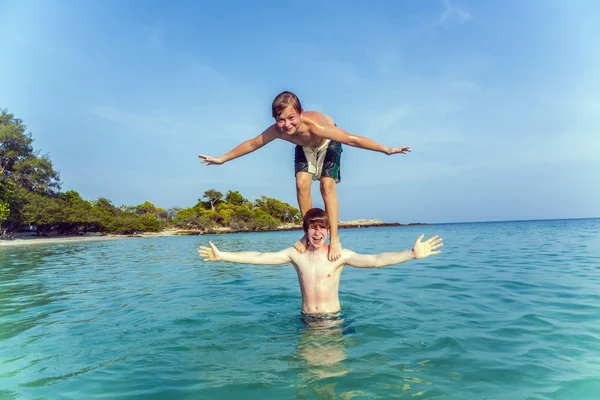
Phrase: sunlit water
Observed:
(507, 311)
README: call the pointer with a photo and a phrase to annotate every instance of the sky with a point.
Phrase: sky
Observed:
(499, 101)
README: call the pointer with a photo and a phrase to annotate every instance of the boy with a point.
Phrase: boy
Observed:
(319, 278)
(318, 154)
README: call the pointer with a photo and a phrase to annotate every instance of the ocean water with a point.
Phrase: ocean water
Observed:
(509, 310)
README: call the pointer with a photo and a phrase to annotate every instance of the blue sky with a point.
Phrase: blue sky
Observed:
(500, 101)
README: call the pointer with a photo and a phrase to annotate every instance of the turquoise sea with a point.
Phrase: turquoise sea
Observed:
(509, 310)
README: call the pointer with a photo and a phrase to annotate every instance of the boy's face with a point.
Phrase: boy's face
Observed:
(317, 234)
(288, 120)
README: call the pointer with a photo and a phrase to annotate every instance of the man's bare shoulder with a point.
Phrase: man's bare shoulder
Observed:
(345, 255)
(272, 132)
(316, 117)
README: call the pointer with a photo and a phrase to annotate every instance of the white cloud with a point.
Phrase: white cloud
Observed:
(452, 15)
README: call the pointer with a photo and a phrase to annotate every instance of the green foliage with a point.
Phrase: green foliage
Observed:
(126, 220)
(236, 212)
(20, 163)
(278, 209)
(77, 211)
(170, 213)
(146, 208)
(184, 218)
(4, 212)
(190, 218)
(224, 211)
(66, 213)
(263, 220)
(213, 196)
(22, 171)
(235, 198)
(17, 199)
(6, 192)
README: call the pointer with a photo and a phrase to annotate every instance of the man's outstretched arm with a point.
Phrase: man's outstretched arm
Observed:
(241, 150)
(245, 257)
(420, 250)
(339, 135)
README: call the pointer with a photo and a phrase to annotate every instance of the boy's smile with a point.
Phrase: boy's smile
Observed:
(317, 235)
(288, 120)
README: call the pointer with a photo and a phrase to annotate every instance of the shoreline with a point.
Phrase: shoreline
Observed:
(23, 239)
(354, 224)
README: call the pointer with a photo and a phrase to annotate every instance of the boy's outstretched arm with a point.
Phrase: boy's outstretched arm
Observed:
(241, 150)
(420, 250)
(245, 257)
(339, 135)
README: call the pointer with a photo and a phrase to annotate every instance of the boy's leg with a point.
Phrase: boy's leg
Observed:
(303, 183)
(330, 175)
(333, 212)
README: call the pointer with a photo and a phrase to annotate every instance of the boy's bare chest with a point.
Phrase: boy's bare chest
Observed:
(316, 268)
(306, 139)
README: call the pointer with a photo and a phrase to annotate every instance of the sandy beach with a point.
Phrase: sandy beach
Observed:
(27, 238)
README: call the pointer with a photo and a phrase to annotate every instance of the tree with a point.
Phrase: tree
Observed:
(223, 212)
(235, 198)
(171, 212)
(278, 209)
(262, 220)
(45, 213)
(22, 171)
(213, 196)
(184, 218)
(6, 191)
(104, 215)
(77, 212)
(19, 163)
(191, 218)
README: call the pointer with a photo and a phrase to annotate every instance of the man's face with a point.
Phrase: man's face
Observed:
(288, 120)
(317, 235)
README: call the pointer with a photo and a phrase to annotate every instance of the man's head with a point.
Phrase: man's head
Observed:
(287, 112)
(316, 226)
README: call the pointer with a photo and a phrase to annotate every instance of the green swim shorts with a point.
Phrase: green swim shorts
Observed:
(319, 161)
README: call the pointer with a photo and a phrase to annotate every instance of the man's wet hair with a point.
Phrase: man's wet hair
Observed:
(283, 100)
(315, 217)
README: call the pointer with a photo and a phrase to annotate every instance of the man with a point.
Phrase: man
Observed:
(318, 155)
(319, 278)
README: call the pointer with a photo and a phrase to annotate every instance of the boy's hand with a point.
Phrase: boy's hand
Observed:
(426, 248)
(396, 150)
(209, 254)
(208, 160)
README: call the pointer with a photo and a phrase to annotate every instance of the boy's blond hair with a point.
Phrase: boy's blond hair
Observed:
(283, 100)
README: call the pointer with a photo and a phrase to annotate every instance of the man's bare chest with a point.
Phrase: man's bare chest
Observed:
(306, 140)
(317, 271)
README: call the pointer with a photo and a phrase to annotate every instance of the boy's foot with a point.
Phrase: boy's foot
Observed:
(335, 249)
(301, 244)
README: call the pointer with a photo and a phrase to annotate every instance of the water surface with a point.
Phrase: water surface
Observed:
(508, 311)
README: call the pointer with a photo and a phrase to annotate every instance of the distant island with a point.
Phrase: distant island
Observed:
(352, 224)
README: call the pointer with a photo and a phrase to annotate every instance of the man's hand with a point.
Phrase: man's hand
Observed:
(208, 160)
(210, 254)
(396, 150)
(426, 248)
